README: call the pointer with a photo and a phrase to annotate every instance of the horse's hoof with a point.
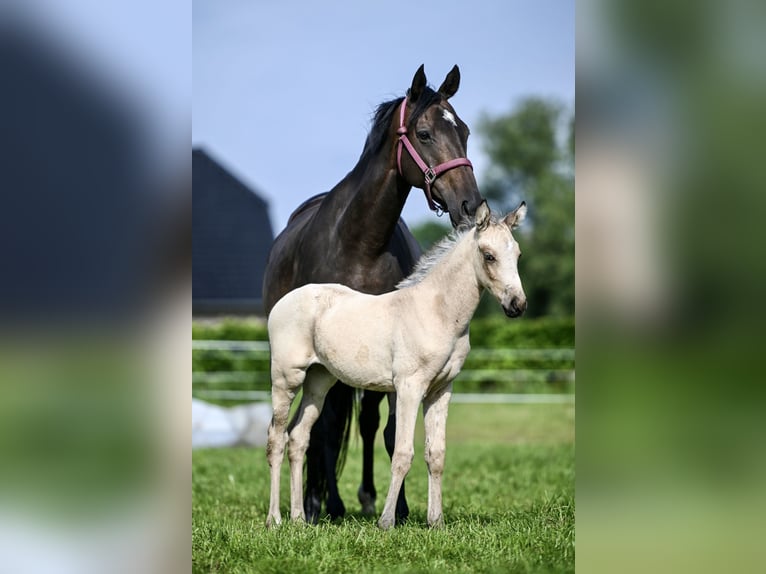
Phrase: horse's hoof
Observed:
(272, 521)
(367, 500)
(336, 509)
(402, 513)
(312, 507)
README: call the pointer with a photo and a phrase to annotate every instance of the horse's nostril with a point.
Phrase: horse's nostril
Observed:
(464, 207)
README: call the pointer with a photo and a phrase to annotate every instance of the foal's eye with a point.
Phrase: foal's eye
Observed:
(488, 256)
(423, 135)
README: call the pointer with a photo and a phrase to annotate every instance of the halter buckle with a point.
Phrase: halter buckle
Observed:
(430, 176)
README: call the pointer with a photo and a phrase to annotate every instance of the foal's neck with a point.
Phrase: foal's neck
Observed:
(456, 289)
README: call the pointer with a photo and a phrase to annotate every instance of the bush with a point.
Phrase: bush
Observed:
(231, 329)
(543, 333)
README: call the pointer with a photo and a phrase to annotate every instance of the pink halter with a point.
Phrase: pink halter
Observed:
(430, 173)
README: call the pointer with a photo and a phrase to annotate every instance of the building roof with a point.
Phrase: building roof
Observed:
(231, 238)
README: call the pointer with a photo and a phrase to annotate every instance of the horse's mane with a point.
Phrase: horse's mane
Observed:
(381, 119)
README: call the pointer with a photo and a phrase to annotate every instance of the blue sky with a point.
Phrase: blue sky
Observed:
(284, 90)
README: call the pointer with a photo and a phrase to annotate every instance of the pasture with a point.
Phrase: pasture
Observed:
(508, 504)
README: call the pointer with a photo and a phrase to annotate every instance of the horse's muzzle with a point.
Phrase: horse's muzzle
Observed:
(516, 308)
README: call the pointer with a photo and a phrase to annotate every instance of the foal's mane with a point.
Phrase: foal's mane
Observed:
(431, 257)
(439, 250)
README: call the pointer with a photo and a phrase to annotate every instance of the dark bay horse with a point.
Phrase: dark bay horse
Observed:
(354, 235)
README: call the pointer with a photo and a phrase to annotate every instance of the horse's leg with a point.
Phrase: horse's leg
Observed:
(341, 399)
(369, 421)
(322, 456)
(435, 408)
(318, 382)
(407, 402)
(282, 395)
(389, 437)
(315, 470)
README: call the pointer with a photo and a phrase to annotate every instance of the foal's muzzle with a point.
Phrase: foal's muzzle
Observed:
(516, 308)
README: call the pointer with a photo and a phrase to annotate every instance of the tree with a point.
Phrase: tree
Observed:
(529, 160)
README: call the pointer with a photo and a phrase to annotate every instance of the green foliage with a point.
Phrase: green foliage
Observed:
(527, 162)
(542, 333)
(522, 144)
(508, 504)
(231, 329)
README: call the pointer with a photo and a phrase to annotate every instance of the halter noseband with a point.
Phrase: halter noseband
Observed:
(430, 173)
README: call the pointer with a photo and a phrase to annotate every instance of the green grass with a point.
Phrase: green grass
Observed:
(508, 504)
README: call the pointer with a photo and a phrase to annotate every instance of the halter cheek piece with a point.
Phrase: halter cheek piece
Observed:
(430, 173)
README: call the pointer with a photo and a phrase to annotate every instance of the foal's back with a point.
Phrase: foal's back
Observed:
(350, 333)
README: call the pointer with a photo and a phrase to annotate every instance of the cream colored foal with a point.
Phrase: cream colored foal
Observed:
(412, 341)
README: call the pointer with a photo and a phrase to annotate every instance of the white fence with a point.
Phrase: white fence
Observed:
(260, 349)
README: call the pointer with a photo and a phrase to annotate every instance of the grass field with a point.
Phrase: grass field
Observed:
(508, 504)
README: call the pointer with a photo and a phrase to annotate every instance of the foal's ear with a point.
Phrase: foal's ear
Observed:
(451, 83)
(418, 84)
(482, 216)
(515, 217)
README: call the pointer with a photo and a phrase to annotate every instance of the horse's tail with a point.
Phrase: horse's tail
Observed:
(348, 410)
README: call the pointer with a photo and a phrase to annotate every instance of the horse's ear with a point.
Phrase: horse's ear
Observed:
(418, 84)
(482, 216)
(451, 83)
(515, 217)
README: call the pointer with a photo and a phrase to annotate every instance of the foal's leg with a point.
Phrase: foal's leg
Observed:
(283, 391)
(369, 421)
(317, 384)
(435, 407)
(407, 402)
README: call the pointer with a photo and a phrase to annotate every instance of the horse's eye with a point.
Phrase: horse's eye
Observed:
(488, 256)
(423, 135)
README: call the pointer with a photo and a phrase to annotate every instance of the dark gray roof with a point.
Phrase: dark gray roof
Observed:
(231, 238)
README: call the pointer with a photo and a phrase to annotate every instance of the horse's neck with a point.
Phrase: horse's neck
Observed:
(454, 287)
(369, 201)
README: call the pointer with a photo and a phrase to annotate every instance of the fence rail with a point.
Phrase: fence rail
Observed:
(260, 350)
(482, 353)
(466, 398)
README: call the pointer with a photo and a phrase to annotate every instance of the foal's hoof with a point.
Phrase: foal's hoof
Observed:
(385, 523)
(367, 500)
(272, 521)
(436, 523)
